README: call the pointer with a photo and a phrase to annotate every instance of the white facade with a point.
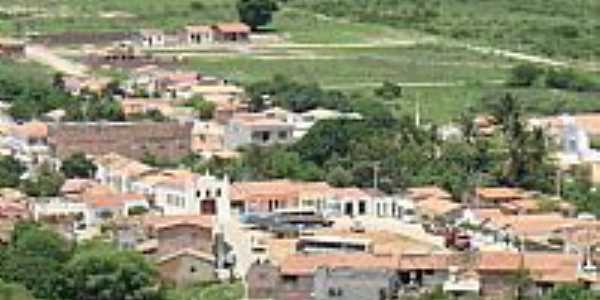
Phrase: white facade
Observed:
(152, 38)
(60, 207)
(202, 195)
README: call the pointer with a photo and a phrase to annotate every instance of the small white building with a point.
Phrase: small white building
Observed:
(152, 38)
(194, 195)
(198, 34)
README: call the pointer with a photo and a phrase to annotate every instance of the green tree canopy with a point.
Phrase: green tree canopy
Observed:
(10, 171)
(524, 75)
(105, 273)
(46, 183)
(78, 166)
(35, 259)
(256, 13)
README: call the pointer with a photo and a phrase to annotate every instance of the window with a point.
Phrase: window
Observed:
(266, 136)
(218, 192)
(193, 269)
(335, 292)
(198, 194)
(283, 135)
(208, 194)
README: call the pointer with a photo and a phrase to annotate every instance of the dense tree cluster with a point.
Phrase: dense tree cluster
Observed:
(52, 268)
(78, 166)
(256, 13)
(527, 75)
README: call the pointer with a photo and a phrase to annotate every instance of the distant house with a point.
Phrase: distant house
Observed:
(231, 32)
(494, 196)
(306, 276)
(12, 47)
(269, 196)
(191, 193)
(257, 129)
(351, 201)
(434, 209)
(110, 205)
(28, 143)
(187, 267)
(207, 137)
(347, 283)
(198, 34)
(184, 248)
(151, 38)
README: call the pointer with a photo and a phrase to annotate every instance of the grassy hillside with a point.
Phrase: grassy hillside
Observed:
(54, 16)
(549, 27)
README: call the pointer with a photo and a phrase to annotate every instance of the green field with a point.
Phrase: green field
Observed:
(44, 16)
(448, 103)
(547, 27)
(358, 66)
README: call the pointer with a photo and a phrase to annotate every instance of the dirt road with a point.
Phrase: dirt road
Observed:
(45, 56)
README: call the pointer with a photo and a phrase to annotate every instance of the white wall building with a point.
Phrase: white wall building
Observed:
(197, 194)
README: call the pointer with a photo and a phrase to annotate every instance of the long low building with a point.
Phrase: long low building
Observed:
(170, 140)
(484, 274)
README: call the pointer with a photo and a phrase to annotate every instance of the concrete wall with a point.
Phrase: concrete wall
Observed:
(186, 270)
(179, 237)
(352, 284)
(262, 281)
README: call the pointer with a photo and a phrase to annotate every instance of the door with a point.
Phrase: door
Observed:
(208, 207)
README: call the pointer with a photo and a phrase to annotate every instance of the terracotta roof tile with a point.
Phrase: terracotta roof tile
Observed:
(160, 222)
(232, 27)
(499, 193)
(437, 207)
(300, 264)
(427, 192)
(111, 200)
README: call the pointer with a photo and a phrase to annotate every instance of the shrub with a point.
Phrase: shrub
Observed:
(524, 75)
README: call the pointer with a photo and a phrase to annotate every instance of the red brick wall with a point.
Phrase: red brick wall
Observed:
(170, 140)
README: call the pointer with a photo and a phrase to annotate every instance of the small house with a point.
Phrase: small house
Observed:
(151, 38)
(198, 34)
(231, 32)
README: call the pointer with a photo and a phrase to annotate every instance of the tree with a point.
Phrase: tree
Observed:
(205, 109)
(10, 171)
(46, 183)
(35, 259)
(389, 91)
(101, 272)
(524, 75)
(339, 177)
(78, 166)
(256, 13)
(58, 80)
(571, 292)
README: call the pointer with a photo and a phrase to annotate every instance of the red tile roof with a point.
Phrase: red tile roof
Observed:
(232, 27)
(301, 264)
(161, 222)
(111, 199)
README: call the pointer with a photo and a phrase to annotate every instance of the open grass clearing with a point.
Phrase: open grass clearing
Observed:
(359, 66)
(443, 104)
